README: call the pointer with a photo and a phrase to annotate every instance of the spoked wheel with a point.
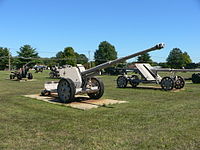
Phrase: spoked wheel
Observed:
(122, 82)
(95, 82)
(66, 90)
(167, 83)
(133, 81)
(179, 82)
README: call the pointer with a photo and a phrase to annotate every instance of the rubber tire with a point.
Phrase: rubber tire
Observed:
(19, 77)
(30, 76)
(61, 89)
(124, 80)
(134, 84)
(100, 93)
(165, 79)
(196, 78)
(12, 76)
(179, 83)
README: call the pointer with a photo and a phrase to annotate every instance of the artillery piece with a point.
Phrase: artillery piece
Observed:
(22, 73)
(54, 72)
(148, 74)
(39, 68)
(77, 80)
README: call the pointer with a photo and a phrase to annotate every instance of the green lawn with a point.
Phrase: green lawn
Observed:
(153, 119)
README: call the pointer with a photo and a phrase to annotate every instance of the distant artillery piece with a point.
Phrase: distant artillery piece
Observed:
(77, 80)
(148, 74)
(22, 73)
(54, 72)
(39, 69)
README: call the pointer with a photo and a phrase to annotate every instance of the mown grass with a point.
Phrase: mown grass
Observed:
(152, 119)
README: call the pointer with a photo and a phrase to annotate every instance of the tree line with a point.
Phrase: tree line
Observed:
(104, 53)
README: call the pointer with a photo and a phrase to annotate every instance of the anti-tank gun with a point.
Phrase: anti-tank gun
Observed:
(148, 74)
(77, 80)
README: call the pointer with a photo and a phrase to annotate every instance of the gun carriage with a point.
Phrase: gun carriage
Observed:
(77, 80)
(39, 69)
(22, 73)
(54, 72)
(148, 74)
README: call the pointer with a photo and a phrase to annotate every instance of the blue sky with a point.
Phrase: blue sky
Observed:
(130, 25)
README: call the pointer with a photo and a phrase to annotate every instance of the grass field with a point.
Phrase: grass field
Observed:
(153, 119)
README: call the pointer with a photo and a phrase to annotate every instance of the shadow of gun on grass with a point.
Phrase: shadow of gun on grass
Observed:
(144, 88)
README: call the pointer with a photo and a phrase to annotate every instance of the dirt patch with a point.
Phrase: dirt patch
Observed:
(81, 102)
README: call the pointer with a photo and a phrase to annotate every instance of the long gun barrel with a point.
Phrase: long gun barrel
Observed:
(176, 70)
(113, 62)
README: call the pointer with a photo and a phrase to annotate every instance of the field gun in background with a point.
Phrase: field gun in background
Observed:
(77, 80)
(39, 68)
(149, 74)
(54, 72)
(22, 73)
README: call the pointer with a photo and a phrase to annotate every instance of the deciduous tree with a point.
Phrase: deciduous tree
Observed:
(81, 59)
(104, 53)
(178, 59)
(67, 57)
